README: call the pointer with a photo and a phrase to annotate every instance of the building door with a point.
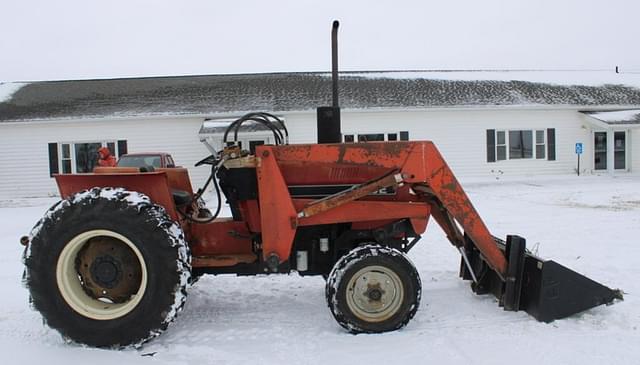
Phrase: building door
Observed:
(600, 150)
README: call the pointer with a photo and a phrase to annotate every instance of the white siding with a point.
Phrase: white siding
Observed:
(634, 144)
(302, 127)
(24, 160)
(460, 135)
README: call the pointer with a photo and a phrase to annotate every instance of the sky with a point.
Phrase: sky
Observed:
(74, 39)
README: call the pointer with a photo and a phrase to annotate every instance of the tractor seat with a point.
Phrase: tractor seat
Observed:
(181, 197)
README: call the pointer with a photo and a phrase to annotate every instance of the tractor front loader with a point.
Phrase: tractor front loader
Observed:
(110, 263)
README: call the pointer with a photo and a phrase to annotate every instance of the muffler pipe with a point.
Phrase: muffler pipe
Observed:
(334, 63)
(328, 122)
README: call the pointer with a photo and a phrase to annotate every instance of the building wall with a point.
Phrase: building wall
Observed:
(460, 135)
(634, 145)
(24, 161)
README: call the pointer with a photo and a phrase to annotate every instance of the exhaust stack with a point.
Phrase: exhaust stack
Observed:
(328, 122)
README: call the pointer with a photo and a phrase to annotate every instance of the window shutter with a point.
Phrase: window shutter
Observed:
(122, 147)
(551, 144)
(491, 145)
(53, 159)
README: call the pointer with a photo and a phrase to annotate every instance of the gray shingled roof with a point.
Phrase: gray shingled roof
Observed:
(184, 95)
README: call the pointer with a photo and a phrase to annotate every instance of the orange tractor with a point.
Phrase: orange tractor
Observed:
(109, 265)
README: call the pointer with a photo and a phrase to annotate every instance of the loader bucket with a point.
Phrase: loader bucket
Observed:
(543, 288)
(551, 291)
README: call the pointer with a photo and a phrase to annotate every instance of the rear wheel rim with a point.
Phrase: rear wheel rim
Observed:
(375, 293)
(81, 294)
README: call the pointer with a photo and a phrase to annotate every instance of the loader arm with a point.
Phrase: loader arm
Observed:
(426, 187)
(450, 204)
(417, 164)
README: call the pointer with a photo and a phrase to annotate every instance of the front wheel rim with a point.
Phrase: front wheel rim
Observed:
(375, 293)
(74, 290)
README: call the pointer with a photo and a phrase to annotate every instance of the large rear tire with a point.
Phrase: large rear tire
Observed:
(107, 268)
(373, 289)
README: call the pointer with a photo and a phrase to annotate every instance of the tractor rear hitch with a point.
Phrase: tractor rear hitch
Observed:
(543, 288)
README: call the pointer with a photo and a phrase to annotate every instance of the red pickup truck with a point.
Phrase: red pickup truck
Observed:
(155, 159)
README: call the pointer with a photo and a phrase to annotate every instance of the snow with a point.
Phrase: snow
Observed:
(554, 77)
(588, 223)
(7, 89)
(618, 117)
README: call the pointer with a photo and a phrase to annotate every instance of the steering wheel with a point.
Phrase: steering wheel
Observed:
(209, 160)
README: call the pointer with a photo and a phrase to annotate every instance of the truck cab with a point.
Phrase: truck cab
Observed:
(154, 159)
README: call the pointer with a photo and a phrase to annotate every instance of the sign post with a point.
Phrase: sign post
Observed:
(578, 152)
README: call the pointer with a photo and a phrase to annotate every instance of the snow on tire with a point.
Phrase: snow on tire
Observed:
(373, 289)
(107, 268)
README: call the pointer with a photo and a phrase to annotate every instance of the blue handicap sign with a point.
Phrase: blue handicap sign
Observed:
(578, 148)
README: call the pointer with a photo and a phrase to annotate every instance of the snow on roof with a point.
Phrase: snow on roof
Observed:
(219, 126)
(552, 77)
(617, 117)
(281, 92)
(7, 89)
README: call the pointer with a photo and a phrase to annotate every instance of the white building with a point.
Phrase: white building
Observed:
(484, 123)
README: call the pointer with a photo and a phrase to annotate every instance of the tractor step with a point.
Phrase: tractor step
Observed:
(222, 260)
(543, 288)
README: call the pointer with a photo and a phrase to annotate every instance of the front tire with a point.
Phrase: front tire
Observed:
(373, 289)
(107, 268)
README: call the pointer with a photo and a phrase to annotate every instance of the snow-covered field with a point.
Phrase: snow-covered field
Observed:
(589, 223)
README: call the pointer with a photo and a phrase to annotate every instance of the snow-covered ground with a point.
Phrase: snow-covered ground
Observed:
(589, 223)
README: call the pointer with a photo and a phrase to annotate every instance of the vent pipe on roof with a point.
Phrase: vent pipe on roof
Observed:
(328, 122)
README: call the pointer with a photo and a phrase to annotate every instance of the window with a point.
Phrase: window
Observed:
(540, 145)
(370, 137)
(600, 150)
(80, 157)
(619, 153)
(140, 160)
(520, 144)
(65, 161)
(112, 148)
(170, 162)
(501, 146)
(86, 156)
